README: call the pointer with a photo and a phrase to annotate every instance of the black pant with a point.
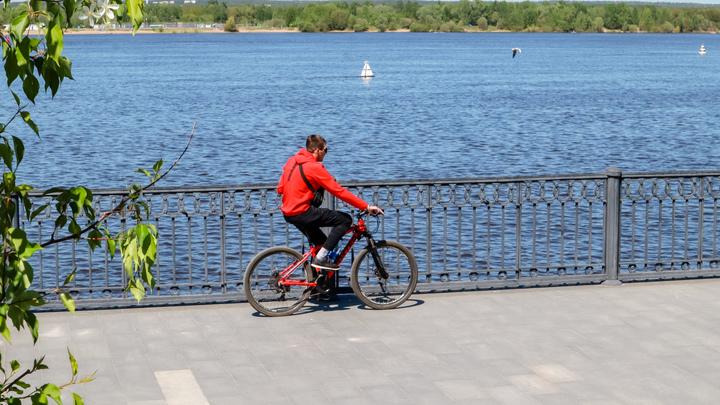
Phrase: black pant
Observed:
(310, 221)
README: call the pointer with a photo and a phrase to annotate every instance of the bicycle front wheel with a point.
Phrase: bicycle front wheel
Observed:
(262, 286)
(376, 291)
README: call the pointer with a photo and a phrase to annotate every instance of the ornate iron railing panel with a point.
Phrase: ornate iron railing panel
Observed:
(670, 225)
(465, 233)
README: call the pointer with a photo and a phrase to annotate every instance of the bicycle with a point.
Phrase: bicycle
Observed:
(279, 280)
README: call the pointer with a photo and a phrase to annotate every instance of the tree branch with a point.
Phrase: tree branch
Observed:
(118, 208)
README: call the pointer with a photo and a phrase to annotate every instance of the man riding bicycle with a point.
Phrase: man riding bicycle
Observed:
(303, 174)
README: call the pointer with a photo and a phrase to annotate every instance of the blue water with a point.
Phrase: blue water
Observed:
(441, 105)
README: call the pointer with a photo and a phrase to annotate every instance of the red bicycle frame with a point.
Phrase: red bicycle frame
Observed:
(358, 230)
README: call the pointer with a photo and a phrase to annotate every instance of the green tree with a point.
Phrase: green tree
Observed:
(647, 20)
(361, 25)
(381, 23)
(338, 20)
(30, 63)
(230, 25)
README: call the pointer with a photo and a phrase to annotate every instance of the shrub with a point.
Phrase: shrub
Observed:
(307, 26)
(381, 23)
(417, 27)
(230, 25)
(482, 23)
(322, 26)
(633, 28)
(450, 27)
(405, 23)
(361, 25)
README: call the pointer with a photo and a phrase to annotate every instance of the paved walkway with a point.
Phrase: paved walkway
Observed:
(643, 343)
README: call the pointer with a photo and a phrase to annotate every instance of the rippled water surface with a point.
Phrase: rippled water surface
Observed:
(440, 106)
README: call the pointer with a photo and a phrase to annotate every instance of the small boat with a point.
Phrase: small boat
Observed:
(366, 72)
(702, 49)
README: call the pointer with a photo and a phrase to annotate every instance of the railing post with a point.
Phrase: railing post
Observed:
(701, 220)
(223, 263)
(611, 243)
(518, 230)
(428, 236)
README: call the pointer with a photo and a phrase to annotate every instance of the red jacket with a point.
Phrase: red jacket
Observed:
(296, 195)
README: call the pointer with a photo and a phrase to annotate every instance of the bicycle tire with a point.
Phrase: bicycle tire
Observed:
(399, 262)
(266, 296)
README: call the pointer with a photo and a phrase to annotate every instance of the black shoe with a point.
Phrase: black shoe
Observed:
(324, 263)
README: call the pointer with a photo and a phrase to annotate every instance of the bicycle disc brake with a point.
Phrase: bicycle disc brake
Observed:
(382, 281)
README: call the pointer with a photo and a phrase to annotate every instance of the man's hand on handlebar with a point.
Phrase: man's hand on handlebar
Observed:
(374, 210)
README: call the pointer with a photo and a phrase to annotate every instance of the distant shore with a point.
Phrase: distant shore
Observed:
(90, 31)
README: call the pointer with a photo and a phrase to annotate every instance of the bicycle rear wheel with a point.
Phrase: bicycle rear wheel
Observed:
(261, 285)
(379, 293)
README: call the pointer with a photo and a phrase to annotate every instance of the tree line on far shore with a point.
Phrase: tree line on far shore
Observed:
(444, 16)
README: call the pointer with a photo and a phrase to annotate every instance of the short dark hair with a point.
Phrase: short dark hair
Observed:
(314, 142)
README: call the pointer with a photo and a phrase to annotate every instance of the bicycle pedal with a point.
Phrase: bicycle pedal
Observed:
(321, 282)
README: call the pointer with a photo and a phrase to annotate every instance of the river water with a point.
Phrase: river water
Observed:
(440, 106)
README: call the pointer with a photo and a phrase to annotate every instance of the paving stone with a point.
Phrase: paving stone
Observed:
(654, 343)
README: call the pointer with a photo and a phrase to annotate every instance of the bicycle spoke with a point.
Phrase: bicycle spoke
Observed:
(264, 288)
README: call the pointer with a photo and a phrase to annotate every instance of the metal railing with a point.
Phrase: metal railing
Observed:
(483, 233)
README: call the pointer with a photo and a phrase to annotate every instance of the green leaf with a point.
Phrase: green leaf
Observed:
(30, 123)
(14, 366)
(111, 247)
(23, 247)
(65, 67)
(54, 38)
(158, 165)
(23, 385)
(7, 155)
(70, 277)
(147, 173)
(53, 392)
(20, 24)
(77, 399)
(12, 72)
(37, 211)
(69, 6)
(52, 80)
(137, 289)
(17, 99)
(19, 149)
(68, 302)
(4, 330)
(32, 324)
(94, 239)
(54, 190)
(73, 363)
(31, 87)
(60, 221)
(80, 193)
(74, 228)
(135, 12)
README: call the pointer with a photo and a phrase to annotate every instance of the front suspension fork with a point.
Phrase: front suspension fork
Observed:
(376, 258)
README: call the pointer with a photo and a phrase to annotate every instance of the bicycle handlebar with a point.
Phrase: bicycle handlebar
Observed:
(363, 213)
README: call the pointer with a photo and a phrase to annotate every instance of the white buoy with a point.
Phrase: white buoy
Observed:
(366, 72)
